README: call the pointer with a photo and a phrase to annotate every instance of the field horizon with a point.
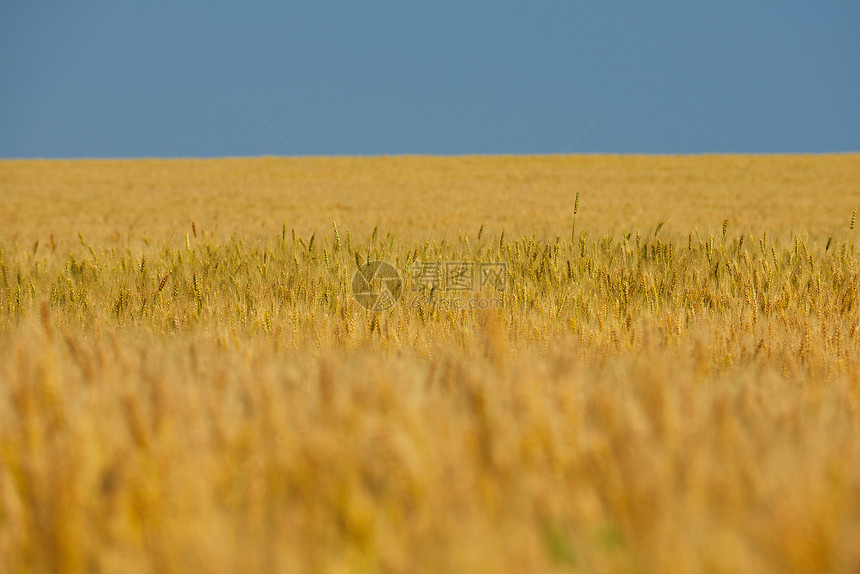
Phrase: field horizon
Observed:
(531, 195)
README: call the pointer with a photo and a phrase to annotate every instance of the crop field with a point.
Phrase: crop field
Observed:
(564, 364)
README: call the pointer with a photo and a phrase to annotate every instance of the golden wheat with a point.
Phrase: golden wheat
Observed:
(647, 398)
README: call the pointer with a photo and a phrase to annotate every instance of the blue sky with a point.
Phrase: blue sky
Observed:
(164, 79)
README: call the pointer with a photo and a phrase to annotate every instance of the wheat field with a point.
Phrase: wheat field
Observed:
(666, 380)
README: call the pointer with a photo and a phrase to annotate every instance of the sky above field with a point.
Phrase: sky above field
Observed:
(110, 79)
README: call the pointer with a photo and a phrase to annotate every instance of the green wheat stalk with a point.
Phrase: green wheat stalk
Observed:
(575, 211)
